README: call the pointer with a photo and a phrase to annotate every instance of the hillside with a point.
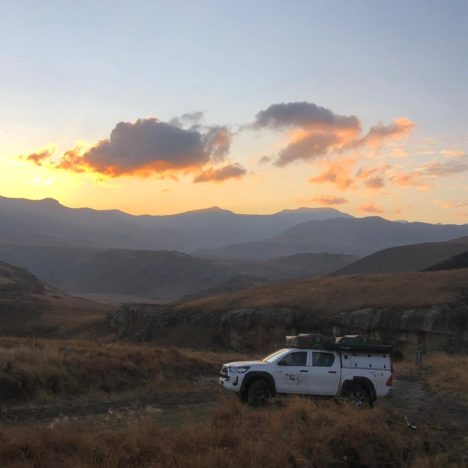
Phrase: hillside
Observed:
(125, 275)
(453, 263)
(415, 257)
(404, 307)
(31, 308)
(355, 236)
(47, 222)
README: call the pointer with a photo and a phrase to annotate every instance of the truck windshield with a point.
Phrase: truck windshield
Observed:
(273, 356)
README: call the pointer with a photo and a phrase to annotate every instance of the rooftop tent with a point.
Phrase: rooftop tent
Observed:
(309, 340)
(353, 343)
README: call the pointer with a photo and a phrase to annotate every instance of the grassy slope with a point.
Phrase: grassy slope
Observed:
(48, 369)
(338, 294)
(29, 307)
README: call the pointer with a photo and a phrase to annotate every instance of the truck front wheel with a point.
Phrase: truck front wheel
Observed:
(258, 393)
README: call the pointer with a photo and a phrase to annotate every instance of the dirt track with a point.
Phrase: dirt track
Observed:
(412, 403)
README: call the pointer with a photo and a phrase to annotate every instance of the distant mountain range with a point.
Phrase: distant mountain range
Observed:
(163, 258)
(354, 236)
(47, 222)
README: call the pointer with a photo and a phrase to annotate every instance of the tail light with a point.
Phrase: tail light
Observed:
(389, 381)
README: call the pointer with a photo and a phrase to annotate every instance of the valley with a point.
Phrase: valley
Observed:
(109, 356)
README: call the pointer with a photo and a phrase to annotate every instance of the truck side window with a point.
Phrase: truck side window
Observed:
(322, 359)
(298, 358)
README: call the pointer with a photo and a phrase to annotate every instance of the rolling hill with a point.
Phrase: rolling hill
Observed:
(453, 263)
(130, 275)
(416, 257)
(30, 308)
(354, 236)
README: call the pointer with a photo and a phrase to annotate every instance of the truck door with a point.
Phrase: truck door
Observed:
(324, 373)
(292, 372)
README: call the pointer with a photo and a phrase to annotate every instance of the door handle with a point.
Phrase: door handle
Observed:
(332, 371)
(304, 371)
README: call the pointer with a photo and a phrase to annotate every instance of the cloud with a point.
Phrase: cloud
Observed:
(329, 200)
(455, 154)
(422, 176)
(315, 131)
(231, 171)
(380, 133)
(40, 156)
(448, 168)
(310, 146)
(148, 146)
(302, 115)
(337, 173)
(409, 179)
(447, 204)
(373, 177)
(370, 207)
(264, 160)
(376, 182)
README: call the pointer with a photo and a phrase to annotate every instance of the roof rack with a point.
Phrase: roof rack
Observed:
(350, 343)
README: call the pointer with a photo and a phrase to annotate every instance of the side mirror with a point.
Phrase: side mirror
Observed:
(281, 363)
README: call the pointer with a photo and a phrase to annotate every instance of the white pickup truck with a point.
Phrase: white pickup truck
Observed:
(359, 373)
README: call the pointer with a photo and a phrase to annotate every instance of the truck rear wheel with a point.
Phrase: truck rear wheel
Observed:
(358, 396)
(258, 393)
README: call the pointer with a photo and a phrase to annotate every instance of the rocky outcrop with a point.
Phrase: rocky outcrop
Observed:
(258, 328)
(431, 328)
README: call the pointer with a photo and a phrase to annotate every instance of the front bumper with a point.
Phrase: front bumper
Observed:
(230, 382)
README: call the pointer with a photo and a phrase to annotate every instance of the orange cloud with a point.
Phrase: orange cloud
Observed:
(315, 131)
(40, 156)
(329, 200)
(337, 173)
(231, 171)
(370, 207)
(381, 134)
(409, 179)
(146, 147)
(373, 177)
(449, 205)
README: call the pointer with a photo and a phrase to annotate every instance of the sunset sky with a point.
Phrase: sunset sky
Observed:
(254, 106)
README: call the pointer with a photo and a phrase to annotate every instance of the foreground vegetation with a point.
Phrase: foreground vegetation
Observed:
(302, 433)
(43, 369)
(289, 433)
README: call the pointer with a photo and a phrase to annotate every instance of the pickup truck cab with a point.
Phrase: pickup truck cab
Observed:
(360, 376)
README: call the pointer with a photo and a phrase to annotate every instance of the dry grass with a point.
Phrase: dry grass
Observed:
(447, 374)
(444, 373)
(41, 369)
(301, 434)
(343, 293)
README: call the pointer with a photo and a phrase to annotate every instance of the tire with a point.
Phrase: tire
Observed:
(358, 396)
(258, 393)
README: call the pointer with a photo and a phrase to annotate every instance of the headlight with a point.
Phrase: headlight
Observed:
(238, 370)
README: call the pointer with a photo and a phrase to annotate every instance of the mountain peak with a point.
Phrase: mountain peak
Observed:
(211, 209)
(306, 209)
